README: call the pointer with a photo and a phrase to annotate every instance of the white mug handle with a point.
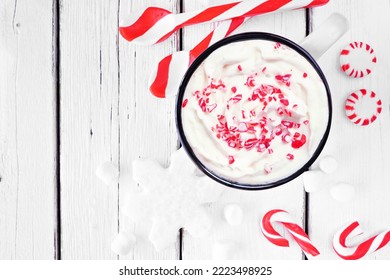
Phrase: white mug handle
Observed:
(324, 37)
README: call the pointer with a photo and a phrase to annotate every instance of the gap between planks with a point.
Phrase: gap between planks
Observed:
(57, 91)
(309, 29)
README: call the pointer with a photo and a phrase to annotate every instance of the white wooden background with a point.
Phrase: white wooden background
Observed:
(73, 94)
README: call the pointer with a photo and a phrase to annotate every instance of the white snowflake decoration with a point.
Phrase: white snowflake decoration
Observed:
(171, 199)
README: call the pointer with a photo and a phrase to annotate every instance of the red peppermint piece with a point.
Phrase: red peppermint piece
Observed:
(231, 160)
(288, 124)
(290, 156)
(286, 138)
(284, 102)
(278, 131)
(237, 98)
(210, 108)
(250, 82)
(184, 103)
(261, 148)
(263, 123)
(298, 143)
(220, 85)
(284, 79)
(251, 143)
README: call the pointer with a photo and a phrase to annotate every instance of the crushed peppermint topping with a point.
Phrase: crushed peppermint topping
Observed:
(203, 96)
(254, 130)
(267, 115)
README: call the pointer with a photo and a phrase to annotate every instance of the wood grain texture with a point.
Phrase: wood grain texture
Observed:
(363, 153)
(147, 125)
(89, 126)
(27, 131)
(247, 237)
(108, 114)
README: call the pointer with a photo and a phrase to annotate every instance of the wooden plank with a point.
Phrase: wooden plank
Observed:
(363, 153)
(250, 243)
(27, 131)
(89, 126)
(147, 124)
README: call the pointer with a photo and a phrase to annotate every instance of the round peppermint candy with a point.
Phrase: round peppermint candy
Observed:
(363, 107)
(357, 59)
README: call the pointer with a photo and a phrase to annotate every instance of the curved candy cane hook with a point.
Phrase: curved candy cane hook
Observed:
(292, 227)
(369, 246)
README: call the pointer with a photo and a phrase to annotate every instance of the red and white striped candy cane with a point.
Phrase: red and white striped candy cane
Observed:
(166, 79)
(156, 24)
(369, 246)
(299, 235)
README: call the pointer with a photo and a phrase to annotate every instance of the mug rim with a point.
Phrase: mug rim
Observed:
(194, 66)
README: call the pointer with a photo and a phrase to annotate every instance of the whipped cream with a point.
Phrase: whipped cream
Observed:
(254, 111)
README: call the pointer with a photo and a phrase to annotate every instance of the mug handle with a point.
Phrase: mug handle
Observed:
(326, 35)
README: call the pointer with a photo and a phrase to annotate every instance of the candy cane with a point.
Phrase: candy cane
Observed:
(165, 80)
(365, 248)
(292, 227)
(155, 24)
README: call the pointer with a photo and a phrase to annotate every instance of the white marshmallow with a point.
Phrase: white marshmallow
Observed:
(233, 214)
(343, 192)
(123, 243)
(224, 250)
(328, 165)
(107, 173)
(313, 181)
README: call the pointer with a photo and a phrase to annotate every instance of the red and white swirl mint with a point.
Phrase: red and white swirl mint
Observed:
(357, 59)
(289, 223)
(365, 248)
(363, 107)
